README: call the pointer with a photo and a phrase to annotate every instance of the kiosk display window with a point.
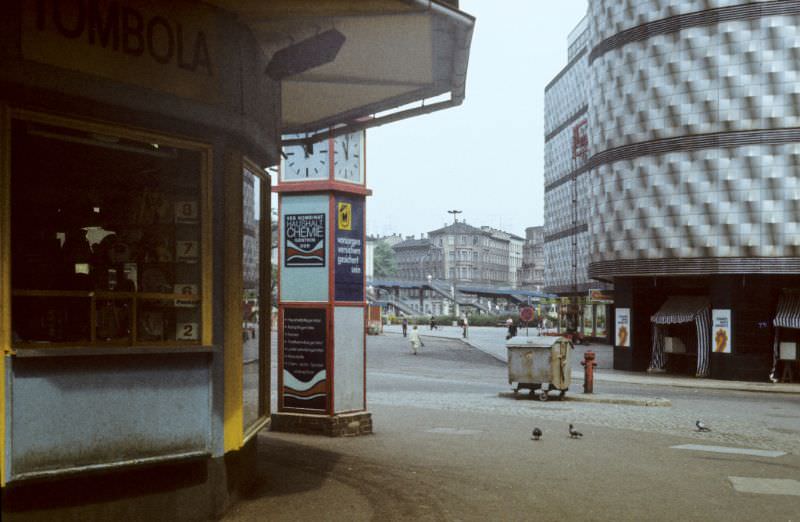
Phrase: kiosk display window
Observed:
(256, 304)
(106, 238)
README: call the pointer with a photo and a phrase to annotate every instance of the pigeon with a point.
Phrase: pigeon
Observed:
(573, 433)
(537, 433)
(701, 426)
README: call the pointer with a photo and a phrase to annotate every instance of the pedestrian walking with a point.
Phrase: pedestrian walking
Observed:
(416, 342)
(512, 328)
(433, 323)
(405, 326)
(465, 326)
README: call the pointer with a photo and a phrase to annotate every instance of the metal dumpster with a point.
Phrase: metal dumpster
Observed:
(540, 363)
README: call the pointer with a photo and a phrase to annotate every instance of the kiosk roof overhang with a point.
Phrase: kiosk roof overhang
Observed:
(400, 58)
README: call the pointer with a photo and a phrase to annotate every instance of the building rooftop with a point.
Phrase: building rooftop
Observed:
(413, 243)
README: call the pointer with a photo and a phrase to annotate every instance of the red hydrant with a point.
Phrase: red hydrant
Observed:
(588, 374)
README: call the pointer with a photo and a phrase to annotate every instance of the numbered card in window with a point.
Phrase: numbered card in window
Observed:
(186, 289)
(187, 251)
(187, 331)
(187, 212)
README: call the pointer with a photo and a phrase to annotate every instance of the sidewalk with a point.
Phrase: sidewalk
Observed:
(491, 341)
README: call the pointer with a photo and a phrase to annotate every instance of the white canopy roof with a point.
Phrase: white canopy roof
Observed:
(395, 53)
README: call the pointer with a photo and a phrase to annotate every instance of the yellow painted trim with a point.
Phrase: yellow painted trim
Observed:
(5, 275)
(233, 349)
(207, 243)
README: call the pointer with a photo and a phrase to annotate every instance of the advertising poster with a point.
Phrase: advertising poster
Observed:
(622, 336)
(600, 320)
(304, 240)
(588, 326)
(305, 380)
(721, 331)
(349, 249)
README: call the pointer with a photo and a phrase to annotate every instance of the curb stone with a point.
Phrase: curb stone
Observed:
(597, 398)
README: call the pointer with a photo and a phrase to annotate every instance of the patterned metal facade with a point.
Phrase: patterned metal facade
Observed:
(694, 139)
(566, 241)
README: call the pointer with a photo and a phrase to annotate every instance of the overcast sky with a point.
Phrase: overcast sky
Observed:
(485, 157)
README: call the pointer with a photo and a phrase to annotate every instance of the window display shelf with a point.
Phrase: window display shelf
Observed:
(72, 350)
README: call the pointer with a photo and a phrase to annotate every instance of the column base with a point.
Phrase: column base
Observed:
(341, 425)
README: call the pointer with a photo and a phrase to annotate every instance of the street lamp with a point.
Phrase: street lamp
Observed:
(455, 215)
(430, 292)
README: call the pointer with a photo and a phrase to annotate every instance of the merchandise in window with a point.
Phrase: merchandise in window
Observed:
(106, 239)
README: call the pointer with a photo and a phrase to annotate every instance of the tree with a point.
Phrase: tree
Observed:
(384, 263)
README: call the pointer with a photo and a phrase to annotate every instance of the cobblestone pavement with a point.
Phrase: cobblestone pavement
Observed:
(451, 376)
(492, 341)
(446, 447)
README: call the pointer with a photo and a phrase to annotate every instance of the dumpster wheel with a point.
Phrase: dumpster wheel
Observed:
(543, 396)
(562, 394)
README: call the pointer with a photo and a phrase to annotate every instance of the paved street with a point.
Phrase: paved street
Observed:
(447, 447)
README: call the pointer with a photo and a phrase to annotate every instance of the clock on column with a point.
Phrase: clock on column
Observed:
(306, 162)
(348, 157)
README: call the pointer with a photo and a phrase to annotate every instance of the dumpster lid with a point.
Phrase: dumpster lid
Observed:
(539, 341)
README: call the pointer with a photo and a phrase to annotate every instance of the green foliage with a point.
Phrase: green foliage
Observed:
(384, 262)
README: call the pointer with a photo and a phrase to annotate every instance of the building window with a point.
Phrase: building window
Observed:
(109, 237)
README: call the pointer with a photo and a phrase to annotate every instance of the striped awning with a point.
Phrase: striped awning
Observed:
(788, 315)
(680, 309)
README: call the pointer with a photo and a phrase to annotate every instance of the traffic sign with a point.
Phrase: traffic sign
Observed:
(526, 314)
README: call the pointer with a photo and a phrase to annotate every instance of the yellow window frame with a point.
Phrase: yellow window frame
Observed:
(126, 132)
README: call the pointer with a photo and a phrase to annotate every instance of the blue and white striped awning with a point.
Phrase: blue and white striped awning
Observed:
(683, 309)
(788, 315)
(680, 309)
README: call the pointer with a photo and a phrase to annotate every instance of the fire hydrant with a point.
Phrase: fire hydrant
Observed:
(588, 374)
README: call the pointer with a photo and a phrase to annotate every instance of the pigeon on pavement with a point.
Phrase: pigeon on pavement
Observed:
(573, 433)
(701, 426)
(537, 433)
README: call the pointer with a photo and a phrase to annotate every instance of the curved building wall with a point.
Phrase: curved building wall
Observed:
(694, 121)
(565, 232)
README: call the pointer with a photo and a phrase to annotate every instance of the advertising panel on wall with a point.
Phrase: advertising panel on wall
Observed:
(348, 359)
(305, 379)
(349, 249)
(305, 253)
(304, 240)
(721, 338)
(623, 328)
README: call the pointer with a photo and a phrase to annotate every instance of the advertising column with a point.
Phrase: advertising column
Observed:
(321, 327)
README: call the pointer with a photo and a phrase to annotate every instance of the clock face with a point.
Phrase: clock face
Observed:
(303, 162)
(348, 157)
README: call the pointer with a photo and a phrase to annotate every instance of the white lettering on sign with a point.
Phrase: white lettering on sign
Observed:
(310, 231)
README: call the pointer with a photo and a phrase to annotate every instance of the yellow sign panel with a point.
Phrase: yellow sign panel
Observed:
(345, 216)
(166, 46)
